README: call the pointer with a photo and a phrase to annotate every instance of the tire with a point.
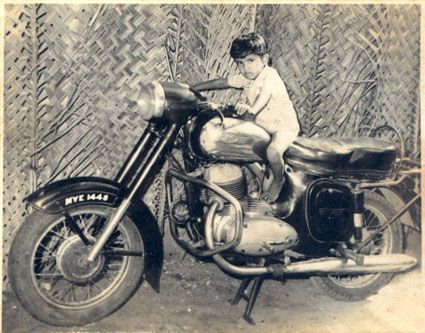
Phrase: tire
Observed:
(351, 288)
(47, 277)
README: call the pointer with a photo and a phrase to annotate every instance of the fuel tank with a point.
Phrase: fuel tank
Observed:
(232, 141)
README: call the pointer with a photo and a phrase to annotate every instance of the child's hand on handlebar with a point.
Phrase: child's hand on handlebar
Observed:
(242, 108)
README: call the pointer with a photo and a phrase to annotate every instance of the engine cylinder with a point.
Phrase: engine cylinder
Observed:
(229, 177)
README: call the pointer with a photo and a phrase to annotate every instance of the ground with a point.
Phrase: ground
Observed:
(195, 296)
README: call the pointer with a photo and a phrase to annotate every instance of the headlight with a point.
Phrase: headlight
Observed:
(151, 100)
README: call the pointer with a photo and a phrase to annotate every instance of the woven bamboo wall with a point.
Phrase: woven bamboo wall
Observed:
(67, 69)
(348, 68)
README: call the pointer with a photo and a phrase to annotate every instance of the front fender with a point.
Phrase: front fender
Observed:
(63, 194)
(59, 196)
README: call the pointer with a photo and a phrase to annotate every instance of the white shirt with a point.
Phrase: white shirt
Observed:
(278, 114)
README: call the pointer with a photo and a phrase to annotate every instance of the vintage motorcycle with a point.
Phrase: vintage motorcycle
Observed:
(90, 241)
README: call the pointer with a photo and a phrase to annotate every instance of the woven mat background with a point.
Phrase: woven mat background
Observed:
(68, 67)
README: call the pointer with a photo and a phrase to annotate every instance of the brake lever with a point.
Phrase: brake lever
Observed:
(214, 107)
(217, 108)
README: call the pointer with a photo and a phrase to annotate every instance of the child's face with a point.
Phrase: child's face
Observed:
(252, 65)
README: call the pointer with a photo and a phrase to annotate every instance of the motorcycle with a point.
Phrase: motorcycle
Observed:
(90, 242)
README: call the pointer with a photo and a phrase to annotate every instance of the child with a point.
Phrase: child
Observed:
(266, 98)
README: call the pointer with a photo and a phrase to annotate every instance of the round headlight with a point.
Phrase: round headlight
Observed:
(151, 100)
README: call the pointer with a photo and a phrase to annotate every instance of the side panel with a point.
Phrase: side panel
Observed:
(61, 195)
(329, 211)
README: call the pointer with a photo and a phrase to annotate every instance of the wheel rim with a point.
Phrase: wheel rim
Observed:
(381, 244)
(59, 272)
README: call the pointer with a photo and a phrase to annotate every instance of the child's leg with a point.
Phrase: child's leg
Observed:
(276, 164)
(280, 142)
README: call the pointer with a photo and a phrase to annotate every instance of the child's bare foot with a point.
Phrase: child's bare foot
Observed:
(272, 193)
(267, 181)
(272, 188)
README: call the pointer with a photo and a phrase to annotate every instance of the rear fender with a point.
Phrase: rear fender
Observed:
(397, 202)
(59, 196)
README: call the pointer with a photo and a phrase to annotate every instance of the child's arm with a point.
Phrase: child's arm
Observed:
(237, 81)
(258, 105)
(261, 101)
(215, 84)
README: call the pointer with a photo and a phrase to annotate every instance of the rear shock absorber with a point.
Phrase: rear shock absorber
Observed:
(358, 214)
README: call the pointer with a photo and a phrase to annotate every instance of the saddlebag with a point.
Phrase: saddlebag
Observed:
(363, 158)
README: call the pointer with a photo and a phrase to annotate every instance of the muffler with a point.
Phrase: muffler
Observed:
(386, 263)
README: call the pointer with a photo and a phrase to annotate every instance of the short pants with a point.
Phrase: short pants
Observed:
(282, 140)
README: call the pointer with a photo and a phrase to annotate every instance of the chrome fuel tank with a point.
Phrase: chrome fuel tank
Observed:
(234, 140)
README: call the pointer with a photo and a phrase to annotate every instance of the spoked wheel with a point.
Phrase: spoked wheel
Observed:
(359, 287)
(52, 278)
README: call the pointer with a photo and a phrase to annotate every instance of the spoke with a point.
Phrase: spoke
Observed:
(76, 229)
(48, 250)
(97, 227)
(48, 274)
(115, 265)
(373, 228)
(84, 224)
(95, 285)
(107, 273)
(63, 230)
(370, 218)
(40, 265)
(89, 290)
(90, 222)
(67, 230)
(55, 272)
(115, 268)
(57, 234)
(72, 293)
(83, 221)
(64, 292)
(46, 258)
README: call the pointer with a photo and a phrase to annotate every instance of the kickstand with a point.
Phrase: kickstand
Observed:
(250, 297)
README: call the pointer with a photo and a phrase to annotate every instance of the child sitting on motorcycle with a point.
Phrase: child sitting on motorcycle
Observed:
(267, 101)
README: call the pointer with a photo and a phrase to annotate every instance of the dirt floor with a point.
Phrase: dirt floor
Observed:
(195, 297)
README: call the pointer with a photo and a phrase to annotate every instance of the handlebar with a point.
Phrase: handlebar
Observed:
(198, 95)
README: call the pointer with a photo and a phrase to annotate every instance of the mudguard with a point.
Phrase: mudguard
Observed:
(397, 202)
(59, 196)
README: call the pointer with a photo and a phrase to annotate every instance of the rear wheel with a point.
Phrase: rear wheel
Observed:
(359, 287)
(53, 281)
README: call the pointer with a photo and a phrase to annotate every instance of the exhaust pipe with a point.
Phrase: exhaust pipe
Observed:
(386, 263)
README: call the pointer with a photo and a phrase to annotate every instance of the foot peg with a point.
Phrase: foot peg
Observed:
(343, 252)
(249, 296)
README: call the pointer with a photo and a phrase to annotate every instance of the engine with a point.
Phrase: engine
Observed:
(262, 233)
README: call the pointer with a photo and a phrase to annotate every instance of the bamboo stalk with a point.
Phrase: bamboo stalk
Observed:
(33, 170)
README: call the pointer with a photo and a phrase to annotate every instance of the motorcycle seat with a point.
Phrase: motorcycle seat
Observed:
(366, 158)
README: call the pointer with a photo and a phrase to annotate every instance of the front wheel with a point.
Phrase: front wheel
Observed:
(359, 287)
(53, 281)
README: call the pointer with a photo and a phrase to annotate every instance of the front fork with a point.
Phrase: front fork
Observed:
(152, 157)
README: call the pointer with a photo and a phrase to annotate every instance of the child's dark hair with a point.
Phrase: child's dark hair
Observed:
(251, 43)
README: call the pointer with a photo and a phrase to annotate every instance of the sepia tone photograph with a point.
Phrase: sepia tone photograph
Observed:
(212, 167)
